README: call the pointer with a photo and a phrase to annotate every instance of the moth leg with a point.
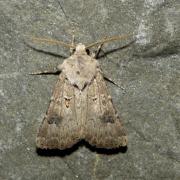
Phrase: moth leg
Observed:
(95, 55)
(45, 72)
(111, 81)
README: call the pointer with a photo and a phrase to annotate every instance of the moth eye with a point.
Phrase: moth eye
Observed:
(73, 50)
(87, 51)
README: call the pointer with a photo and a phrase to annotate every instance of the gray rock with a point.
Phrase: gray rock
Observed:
(148, 70)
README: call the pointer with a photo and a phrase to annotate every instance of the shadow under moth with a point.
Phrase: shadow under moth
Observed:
(80, 107)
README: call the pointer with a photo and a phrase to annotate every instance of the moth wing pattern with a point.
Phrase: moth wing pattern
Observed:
(81, 108)
(60, 128)
(103, 127)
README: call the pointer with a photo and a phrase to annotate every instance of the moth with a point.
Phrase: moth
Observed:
(80, 107)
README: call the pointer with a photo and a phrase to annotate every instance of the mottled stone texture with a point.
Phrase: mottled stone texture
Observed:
(148, 70)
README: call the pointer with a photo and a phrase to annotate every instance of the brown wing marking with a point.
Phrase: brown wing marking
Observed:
(103, 127)
(60, 128)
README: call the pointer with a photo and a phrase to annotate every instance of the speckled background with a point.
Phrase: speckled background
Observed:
(148, 70)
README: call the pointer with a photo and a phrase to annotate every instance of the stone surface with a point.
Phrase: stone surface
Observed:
(149, 71)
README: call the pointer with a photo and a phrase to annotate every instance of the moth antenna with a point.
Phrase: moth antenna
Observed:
(52, 41)
(106, 40)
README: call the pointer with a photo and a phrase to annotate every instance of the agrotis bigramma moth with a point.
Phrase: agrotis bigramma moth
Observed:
(80, 107)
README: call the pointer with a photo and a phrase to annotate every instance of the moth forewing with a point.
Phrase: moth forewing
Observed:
(81, 108)
(103, 126)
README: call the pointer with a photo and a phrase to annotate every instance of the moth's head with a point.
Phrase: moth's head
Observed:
(80, 49)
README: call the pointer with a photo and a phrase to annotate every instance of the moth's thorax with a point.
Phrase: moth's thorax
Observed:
(80, 68)
(80, 49)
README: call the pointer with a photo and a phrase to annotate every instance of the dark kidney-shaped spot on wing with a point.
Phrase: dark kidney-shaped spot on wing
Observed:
(107, 117)
(54, 119)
